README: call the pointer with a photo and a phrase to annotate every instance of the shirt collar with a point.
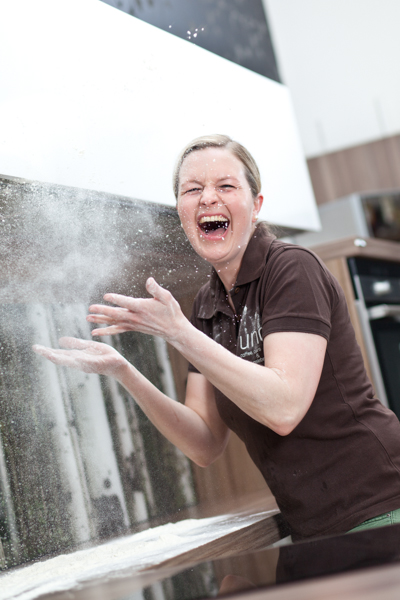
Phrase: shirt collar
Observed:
(255, 255)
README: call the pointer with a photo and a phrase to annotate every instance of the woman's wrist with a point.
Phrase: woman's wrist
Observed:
(123, 371)
(184, 339)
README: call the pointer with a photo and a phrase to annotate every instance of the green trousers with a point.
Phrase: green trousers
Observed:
(389, 518)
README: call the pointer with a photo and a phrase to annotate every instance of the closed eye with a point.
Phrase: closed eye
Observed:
(226, 187)
(192, 190)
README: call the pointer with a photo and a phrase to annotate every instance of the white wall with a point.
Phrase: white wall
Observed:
(340, 60)
(94, 98)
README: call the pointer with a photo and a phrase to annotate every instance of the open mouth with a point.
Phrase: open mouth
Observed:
(214, 223)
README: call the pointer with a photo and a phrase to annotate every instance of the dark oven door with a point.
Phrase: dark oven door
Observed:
(386, 334)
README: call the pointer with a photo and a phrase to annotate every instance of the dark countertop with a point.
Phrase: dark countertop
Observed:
(358, 565)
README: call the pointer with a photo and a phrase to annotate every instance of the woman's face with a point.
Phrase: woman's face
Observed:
(215, 205)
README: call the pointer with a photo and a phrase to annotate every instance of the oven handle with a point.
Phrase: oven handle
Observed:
(384, 310)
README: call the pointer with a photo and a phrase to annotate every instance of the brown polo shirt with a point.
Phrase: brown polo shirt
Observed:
(341, 464)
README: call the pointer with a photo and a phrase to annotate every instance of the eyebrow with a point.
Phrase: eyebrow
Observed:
(224, 178)
(228, 177)
(191, 181)
(183, 187)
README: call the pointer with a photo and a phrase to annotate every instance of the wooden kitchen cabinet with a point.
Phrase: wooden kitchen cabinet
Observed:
(335, 255)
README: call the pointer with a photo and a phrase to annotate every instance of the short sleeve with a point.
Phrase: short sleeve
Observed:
(299, 295)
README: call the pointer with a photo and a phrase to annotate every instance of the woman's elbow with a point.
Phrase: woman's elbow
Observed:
(289, 417)
(285, 424)
(284, 429)
(210, 454)
(205, 460)
(202, 463)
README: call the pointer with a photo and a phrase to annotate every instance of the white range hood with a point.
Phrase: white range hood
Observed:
(93, 98)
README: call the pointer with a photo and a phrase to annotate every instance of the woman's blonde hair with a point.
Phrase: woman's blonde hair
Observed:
(221, 141)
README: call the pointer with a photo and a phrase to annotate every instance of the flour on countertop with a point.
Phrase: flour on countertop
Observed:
(136, 552)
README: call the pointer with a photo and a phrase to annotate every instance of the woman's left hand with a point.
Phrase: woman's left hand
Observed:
(86, 356)
(160, 315)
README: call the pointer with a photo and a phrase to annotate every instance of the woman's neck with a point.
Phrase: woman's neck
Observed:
(228, 271)
(228, 275)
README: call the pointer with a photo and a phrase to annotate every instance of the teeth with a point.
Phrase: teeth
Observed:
(212, 219)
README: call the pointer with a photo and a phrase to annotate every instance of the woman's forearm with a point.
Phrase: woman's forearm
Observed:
(180, 424)
(255, 389)
(195, 428)
(277, 396)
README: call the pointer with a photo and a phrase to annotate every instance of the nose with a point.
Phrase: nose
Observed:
(209, 196)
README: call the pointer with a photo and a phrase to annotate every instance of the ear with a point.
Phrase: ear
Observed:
(258, 201)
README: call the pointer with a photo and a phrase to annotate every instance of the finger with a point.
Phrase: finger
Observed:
(112, 330)
(157, 291)
(125, 302)
(58, 357)
(100, 319)
(76, 343)
(42, 350)
(108, 311)
(121, 321)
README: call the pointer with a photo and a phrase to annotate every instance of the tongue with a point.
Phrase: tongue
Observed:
(216, 234)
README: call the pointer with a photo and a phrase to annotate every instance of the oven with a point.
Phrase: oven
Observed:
(377, 298)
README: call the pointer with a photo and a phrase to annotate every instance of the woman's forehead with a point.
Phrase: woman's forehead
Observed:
(211, 162)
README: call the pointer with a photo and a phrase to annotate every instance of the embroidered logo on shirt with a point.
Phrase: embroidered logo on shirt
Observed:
(250, 340)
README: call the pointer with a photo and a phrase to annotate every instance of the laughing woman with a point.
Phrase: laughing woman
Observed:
(272, 354)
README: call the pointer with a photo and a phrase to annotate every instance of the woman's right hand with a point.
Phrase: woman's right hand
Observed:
(87, 356)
